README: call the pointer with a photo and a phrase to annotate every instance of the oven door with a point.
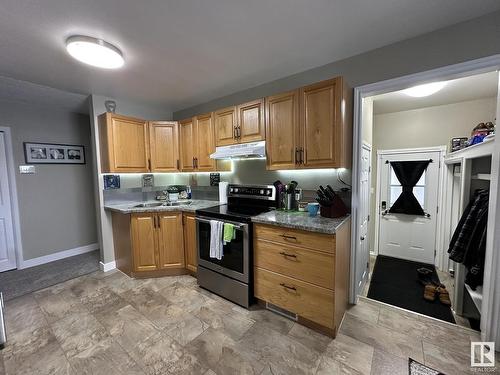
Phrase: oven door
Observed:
(235, 261)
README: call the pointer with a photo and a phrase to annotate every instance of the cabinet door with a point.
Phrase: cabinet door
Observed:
(320, 124)
(282, 121)
(225, 123)
(205, 142)
(251, 122)
(144, 242)
(170, 240)
(164, 146)
(190, 245)
(127, 143)
(187, 142)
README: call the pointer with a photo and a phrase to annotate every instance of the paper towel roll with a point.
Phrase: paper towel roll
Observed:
(223, 192)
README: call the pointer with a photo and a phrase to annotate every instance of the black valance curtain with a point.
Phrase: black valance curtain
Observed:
(408, 174)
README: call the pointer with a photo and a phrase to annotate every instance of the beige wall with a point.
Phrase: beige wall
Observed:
(55, 203)
(426, 127)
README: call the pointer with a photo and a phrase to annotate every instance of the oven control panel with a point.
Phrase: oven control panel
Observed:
(267, 192)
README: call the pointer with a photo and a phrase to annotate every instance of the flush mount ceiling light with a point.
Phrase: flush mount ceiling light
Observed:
(424, 90)
(95, 52)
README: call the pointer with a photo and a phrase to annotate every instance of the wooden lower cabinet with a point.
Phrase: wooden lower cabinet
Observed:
(190, 244)
(309, 278)
(149, 244)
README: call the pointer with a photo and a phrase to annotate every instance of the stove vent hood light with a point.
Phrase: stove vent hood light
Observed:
(240, 151)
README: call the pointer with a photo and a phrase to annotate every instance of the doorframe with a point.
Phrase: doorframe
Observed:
(490, 324)
(16, 222)
(440, 198)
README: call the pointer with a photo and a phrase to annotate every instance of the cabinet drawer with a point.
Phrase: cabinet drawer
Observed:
(315, 241)
(307, 265)
(306, 300)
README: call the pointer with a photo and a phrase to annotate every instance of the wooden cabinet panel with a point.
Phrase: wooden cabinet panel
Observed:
(164, 146)
(187, 144)
(205, 142)
(170, 240)
(251, 122)
(295, 237)
(144, 242)
(306, 265)
(124, 144)
(225, 123)
(282, 121)
(320, 125)
(190, 245)
(309, 301)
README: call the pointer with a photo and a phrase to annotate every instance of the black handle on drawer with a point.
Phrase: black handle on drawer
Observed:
(288, 255)
(288, 286)
(289, 237)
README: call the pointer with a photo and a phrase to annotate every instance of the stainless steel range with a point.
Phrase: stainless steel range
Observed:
(231, 276)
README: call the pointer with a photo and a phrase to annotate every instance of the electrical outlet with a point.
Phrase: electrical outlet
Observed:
(27, 169)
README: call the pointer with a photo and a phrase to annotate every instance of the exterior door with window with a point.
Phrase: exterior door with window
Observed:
(408, 236)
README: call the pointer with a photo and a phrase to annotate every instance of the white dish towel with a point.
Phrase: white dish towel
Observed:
(216, 246)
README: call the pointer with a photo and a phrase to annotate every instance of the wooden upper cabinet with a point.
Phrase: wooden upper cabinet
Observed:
(250, 126)
(282, 121)
(124, 144)
(225, 126)
(190, 249)
(170, 240)
(144, 242)
(325, 129)
(187, 145)
(164, 146)
(205, 142)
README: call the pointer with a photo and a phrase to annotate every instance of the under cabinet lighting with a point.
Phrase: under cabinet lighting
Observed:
(427, 89)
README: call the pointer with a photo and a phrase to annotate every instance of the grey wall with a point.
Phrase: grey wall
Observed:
(123, 107)
(425, 127)
(56, 203)
(462, 42)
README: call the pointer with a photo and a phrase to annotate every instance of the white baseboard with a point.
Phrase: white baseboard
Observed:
(106, 267)
(59, 255)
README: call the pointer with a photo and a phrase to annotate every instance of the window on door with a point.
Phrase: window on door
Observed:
(396, 189)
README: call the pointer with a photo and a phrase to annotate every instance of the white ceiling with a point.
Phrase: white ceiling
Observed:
(181, 53)
(457, 90)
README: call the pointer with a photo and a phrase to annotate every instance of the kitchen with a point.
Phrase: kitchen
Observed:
(275, 246)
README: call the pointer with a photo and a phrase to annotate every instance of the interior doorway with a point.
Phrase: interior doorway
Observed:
(425, 239)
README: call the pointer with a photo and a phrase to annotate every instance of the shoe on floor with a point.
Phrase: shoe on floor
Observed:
(444, 296)
(430, 291)
(424, 275)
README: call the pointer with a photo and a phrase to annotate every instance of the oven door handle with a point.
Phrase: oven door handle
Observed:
(236, 225)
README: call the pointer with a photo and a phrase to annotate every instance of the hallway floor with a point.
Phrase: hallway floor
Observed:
(111, 324)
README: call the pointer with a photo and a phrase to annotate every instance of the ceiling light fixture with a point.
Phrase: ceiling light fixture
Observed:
(95, 52)
(424, 90)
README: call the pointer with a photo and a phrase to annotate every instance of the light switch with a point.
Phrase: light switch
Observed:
(27, 169)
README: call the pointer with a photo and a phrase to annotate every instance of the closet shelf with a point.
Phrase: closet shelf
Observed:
(481, 176)
(476, 295)
(472, 152)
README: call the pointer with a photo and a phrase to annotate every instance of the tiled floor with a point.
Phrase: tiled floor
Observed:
(111, 324)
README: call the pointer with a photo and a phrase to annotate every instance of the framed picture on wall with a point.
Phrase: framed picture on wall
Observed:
(53, 153)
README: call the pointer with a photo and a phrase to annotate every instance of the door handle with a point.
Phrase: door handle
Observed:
(235, 132)
(154, 222)
(159, 222)
(193, 164)
(286, 255)
(301, 155)
(289, 237)
(149, 164)
(178, 164)
(288, 286)
(297, 157)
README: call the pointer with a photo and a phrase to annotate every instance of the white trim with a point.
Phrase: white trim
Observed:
(106, 267)
(16, 222)
(490, 323)
(59, 255)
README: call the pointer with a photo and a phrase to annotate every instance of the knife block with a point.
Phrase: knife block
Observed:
(337, 209)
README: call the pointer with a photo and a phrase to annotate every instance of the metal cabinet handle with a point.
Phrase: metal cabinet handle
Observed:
(288, 287)
(196, 162)
(154, 222)
(193, 163)
(301, 155)
(289, 237)
(286, 255)
(159, 222)
(178, 164)
(149, 164)
(297, 156)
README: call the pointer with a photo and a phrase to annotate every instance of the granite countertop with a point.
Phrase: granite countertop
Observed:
(128, 207)
(301, 220)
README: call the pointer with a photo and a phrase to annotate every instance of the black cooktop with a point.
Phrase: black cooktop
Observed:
(233, 212)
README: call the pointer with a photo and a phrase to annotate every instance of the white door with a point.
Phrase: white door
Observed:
(411, 237)
(362, 248)
(7, 248)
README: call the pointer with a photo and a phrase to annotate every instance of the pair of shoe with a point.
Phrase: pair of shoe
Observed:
(433, 290)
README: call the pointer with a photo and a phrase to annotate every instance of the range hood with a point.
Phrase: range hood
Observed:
(241, 151)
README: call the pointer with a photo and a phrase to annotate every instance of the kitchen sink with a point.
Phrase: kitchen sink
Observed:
(177, 203)
(148, 204)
